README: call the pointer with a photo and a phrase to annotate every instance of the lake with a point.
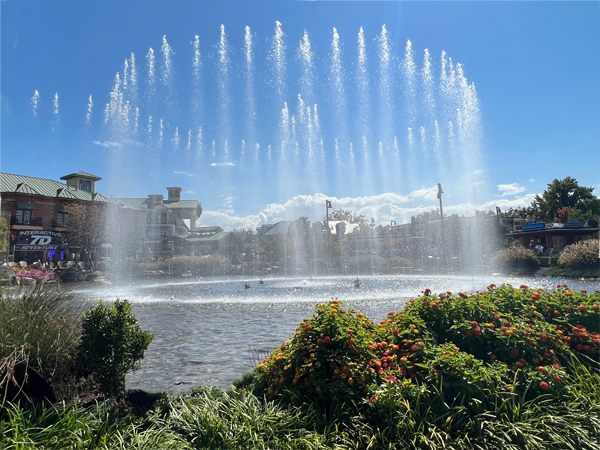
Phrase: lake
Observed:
(212, 331)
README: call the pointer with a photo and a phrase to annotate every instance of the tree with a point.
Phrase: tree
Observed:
(566, 193)
(86, 227)
(346, 215)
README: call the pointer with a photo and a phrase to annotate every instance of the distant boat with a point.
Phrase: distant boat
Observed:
(246, 286)
(261, 281)
(357, 283)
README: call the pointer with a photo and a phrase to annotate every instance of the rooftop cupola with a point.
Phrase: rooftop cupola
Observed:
(174, 194)
(155, 200)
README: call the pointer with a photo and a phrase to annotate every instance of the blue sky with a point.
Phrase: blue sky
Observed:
(535, 66)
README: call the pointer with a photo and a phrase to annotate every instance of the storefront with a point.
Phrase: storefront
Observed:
(38, 245)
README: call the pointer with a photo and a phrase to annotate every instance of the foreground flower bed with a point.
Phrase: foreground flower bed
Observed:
(507, 368)
(516, 340)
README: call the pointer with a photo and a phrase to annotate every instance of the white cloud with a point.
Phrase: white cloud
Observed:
(383, 208)
(477, 172)
(426, 193)
(510, 189)
(187, 174)
(190, 192)
(224, 164)
(531, 180)
(108, 144)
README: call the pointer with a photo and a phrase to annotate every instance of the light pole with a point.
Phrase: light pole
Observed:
(444, 255)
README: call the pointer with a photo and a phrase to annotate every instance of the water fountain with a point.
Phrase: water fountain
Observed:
(356, 118)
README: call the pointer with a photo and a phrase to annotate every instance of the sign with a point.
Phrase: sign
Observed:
(533, 226)
(39, 240)
(573, 224)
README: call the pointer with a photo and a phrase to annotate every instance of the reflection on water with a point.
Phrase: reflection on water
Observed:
(207, 331)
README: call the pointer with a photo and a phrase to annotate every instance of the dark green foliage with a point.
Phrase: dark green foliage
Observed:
(112, 344)
(564, 193)
(73, 273)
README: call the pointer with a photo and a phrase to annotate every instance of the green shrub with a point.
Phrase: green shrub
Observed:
(112, 344)
(516, 259)
(72, 274)
(515, 339)
(582, 255)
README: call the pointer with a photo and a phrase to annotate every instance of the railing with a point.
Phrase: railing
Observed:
(60, 223)
(33, 221)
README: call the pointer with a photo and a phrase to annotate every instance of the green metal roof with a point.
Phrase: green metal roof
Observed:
(81, 175)
(21, 184)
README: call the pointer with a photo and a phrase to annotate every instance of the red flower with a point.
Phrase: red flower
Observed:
(346, 369)
(523, 286)
(463, 295)
(372, 399)
(395, 332)
(474, 324)
(544, 386)
(595, 307)
(427, 291)
(556, 378)
(543, 337)
(442, 296)
(435, 305)
(535, 296)
(496, 317)
(351, 341)
(414, 348)
(514, 352)
(541, 369)
(583, 291)
(582, 308)
(327, 339)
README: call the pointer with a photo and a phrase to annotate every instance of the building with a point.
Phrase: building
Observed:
(36, 212)
(163, 225)
(552, 237)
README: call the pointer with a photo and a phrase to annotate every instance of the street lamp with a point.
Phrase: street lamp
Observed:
(439, 196)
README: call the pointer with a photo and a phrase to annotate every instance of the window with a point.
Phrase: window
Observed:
(62, 219)
(85, 185)
(23, 217)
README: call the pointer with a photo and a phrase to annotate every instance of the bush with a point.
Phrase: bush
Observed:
(499, 340)
(112, 344)
(73, 273)
(517, 259)
(582, 255)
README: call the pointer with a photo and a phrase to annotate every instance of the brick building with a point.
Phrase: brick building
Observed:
(35, 209)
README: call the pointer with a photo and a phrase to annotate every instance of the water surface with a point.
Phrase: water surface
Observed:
(208, 332)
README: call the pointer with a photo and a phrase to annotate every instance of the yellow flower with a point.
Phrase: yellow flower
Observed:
(318, 364)
(336, 372)
(350, 381)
